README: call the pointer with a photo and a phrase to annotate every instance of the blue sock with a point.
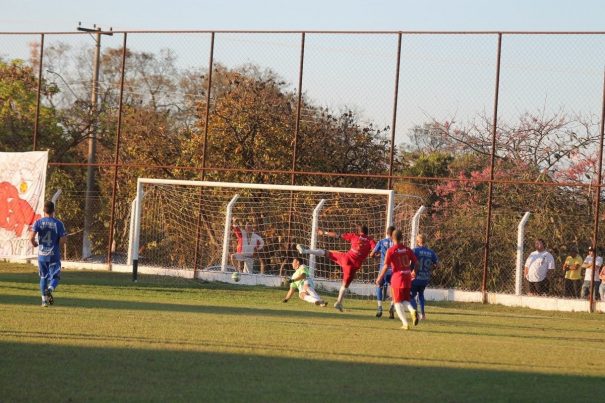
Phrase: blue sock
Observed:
(54, 283)
(413, 300)
(421, 299)
(42, 285)
(379, 295)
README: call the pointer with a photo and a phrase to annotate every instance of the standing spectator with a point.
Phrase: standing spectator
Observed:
(602, 286)
(588, 273)
(51, 237)
(573, 273)
(537, 266)
(427, 260)
(249, 243)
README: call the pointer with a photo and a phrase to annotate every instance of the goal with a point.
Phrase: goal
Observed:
(189, 228)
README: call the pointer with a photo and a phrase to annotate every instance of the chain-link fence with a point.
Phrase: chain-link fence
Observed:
(482, 126)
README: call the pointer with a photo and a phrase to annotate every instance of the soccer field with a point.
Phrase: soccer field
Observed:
(107, 339)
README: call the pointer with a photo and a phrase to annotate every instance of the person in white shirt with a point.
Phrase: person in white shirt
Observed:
(589, 272)
(537, 266)
(249, 243)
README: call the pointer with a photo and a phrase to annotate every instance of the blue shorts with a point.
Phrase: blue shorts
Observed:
(386, 279)
(419, 286)
(50, 270)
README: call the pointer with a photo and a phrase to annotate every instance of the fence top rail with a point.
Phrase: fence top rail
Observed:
(235, 31)
(264, 186)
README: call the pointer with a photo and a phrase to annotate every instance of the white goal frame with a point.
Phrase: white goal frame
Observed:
(138, 202)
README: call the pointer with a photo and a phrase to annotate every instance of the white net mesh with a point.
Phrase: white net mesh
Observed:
(183, 226)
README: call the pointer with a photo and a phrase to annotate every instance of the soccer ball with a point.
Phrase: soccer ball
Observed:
(235, 276)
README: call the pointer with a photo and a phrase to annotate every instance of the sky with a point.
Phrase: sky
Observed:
(62, 15)
(442, 76)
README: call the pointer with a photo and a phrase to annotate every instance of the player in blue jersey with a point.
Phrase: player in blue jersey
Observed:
(50, 238)
(382, 247)
(427, 260)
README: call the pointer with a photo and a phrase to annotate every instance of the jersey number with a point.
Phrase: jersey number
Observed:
(405, 260)
(47, 239)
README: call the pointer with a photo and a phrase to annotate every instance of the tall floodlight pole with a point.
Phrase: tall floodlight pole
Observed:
(92, 138)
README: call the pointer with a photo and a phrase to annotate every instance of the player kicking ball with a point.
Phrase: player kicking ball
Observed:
(350, 261)
(401, 259)
(302, 281)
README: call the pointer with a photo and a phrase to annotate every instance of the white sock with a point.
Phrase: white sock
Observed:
(408, 306)
(43, 298)
(341, 294)
(380, 304)
(400, 313)
(316, 252)
(310, 299)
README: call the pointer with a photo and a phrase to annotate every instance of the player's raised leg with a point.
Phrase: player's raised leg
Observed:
(306, 251)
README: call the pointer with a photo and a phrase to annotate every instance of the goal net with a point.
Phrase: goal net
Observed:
(207, 230)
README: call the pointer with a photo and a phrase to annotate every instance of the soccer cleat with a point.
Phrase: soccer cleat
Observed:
(44, 305)
(301, 249)
(392, 312)
(379, 312)
(49, 295)
(414, 317)
(422, 316)
(323, 304)
(338, 306)
(405, 327)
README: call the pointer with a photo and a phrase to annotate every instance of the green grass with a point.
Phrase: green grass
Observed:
(107, 339)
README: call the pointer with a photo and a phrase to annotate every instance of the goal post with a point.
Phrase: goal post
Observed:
(275, 217)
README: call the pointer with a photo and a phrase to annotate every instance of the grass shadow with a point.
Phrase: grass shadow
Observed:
(122, 374)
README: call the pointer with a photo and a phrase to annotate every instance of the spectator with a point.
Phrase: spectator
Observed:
(249, 243)
(602, 286)
(588, 273)
(573, 273)
(537, 266)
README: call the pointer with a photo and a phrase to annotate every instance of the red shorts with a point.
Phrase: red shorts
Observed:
(348, 266)
(401, 294)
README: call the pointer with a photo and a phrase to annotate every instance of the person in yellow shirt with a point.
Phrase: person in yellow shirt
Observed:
(573, 273)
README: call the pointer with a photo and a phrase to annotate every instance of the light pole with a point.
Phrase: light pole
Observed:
(92, 139)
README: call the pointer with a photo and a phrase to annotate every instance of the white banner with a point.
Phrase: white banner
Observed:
(22, 183)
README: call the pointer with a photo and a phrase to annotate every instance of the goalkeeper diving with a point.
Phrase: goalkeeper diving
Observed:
(301, 280)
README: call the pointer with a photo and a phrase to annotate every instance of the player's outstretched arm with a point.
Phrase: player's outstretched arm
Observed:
(288, 295)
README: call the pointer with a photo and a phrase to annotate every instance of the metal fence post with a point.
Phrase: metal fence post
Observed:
(196, 253)
(394, 122)
(37, 118)
(299, 101)
(488, 225)
(595, 234)
(116, 158)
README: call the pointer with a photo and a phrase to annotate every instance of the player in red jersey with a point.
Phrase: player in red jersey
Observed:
(350, 261)
(402, 261)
